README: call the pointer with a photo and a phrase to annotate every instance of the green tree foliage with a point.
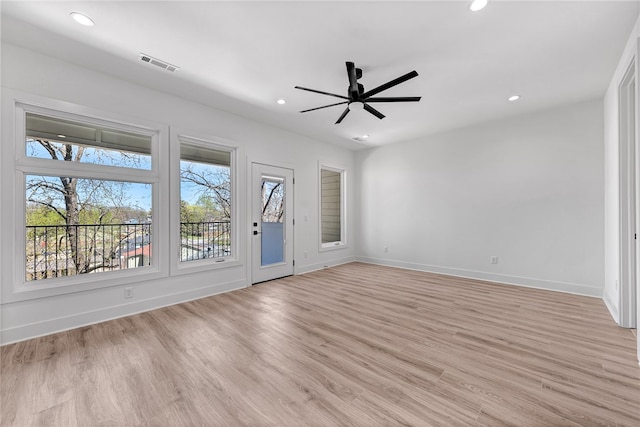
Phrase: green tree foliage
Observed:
(41, 215)
(214, 187)
(75, 202)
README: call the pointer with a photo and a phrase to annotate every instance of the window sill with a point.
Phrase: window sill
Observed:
(198, 266)
(81, 283)
(332, 246)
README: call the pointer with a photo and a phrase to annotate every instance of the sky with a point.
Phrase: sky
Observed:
(127, 194)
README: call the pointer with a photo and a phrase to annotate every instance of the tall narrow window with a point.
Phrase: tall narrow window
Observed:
(88, 198)
(205, 202)
(332, 196)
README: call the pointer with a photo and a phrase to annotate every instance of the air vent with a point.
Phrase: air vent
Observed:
(158, 63)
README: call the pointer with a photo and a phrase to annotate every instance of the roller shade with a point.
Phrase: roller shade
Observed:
(54, 129)
(198, 154)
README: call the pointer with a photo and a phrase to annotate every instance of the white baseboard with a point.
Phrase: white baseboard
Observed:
(51, 326)
(571, 288)
(613, 307)
(319, 266)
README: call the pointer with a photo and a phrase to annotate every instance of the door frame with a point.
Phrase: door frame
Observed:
(290, 236)
(637, 111)
(629, 185)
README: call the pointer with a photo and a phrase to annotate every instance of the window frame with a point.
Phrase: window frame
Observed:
(21, 165)
(205, 141)
(342, 243)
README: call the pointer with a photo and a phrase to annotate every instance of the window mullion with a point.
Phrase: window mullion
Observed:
(46, 167)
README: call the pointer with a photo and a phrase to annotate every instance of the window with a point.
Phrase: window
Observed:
(85, 225)
(332, 208)
(206, 205)
(64, 140)
(272, 220)
(88, 200)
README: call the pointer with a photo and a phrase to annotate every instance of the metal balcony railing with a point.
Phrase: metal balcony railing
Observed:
(61, 250)
(200, 240)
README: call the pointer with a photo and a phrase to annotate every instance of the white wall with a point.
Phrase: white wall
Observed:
(42, 76)
(612, 178)
(528, 190)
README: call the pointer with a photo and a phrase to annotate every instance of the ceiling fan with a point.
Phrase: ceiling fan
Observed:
(358, 99)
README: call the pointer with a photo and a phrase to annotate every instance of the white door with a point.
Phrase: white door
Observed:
(271, 222)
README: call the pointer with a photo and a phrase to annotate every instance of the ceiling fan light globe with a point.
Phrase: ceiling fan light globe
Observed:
(356, 106)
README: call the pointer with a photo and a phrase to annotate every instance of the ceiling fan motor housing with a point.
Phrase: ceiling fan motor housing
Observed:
(357, 95)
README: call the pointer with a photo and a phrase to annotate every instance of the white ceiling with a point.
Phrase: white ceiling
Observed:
(242, 56)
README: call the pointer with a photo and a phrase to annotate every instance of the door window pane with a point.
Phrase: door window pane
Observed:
(272, 220)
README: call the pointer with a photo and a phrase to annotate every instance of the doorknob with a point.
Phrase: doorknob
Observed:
(256, 232)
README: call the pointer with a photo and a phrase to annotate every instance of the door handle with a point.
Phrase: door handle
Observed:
(256, 232)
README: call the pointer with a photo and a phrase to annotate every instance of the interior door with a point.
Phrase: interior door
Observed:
(272, 222)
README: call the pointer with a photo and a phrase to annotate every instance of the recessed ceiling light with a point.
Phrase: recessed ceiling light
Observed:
(281, 101)
(514, 98)
(477, 5)
(82, 19)
(361, 138)
(62, 136)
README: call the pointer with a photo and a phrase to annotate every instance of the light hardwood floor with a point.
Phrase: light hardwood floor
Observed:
(355, 345)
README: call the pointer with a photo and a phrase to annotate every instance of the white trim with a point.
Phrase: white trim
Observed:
(177, 136)
(527, 282)
(304, 269)
(611, 306)
(342, 243)
(628, 169)
(637, 177)
(17, 165)
(96, 119)
(78, 320)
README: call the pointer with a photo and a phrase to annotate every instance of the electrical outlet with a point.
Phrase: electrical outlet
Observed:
(128, 292)
(305, 254)
(386, 249)
(494, 260)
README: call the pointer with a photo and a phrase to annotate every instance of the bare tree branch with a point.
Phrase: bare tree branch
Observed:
(267, 204)
(216, 183)
(47, 146)
(50, 206)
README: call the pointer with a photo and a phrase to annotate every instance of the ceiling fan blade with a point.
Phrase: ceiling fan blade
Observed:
(373, 111)
(390, 84)
(353, 80)
(324, 106)
(321, 92)
(394, 99)
(343, 115)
